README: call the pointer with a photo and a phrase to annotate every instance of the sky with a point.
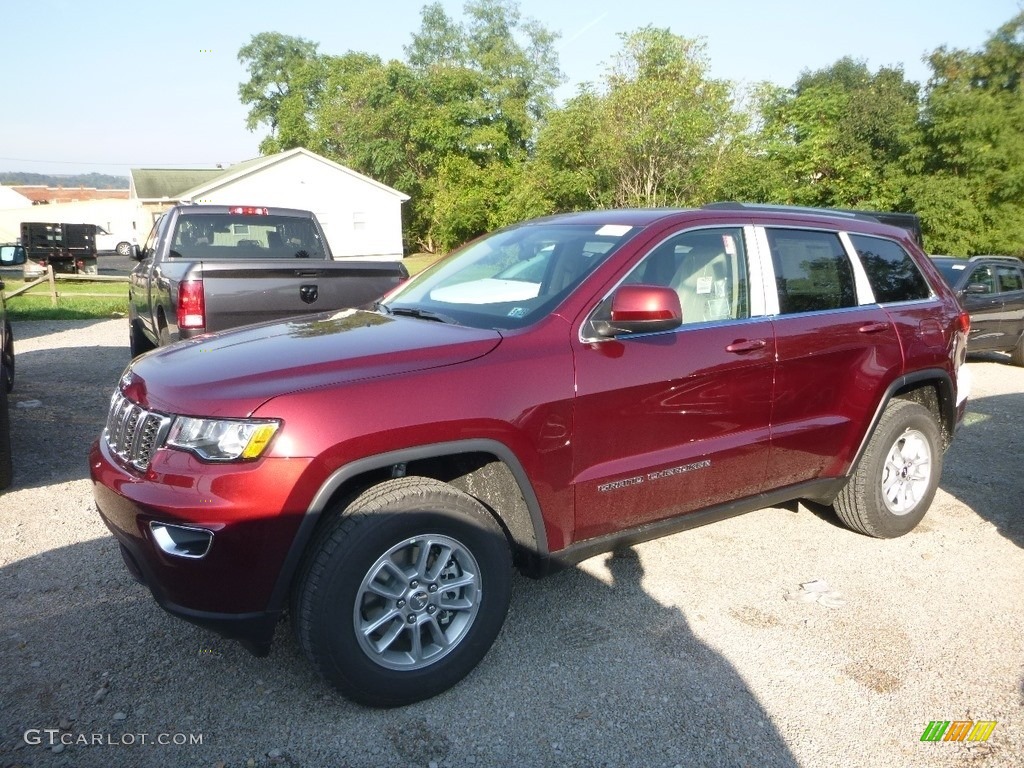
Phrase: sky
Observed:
(109, 85)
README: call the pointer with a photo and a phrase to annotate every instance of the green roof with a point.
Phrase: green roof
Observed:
(169, 183)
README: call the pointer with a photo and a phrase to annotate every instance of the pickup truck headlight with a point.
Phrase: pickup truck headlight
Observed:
(222, 439)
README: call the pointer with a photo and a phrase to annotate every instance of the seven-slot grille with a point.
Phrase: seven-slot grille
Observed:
(132, 432)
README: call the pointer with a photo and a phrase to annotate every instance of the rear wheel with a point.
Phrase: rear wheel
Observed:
(124, 248)
(896, 478)
(404, 593)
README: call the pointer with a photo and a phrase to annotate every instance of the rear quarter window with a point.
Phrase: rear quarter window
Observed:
(891, 271)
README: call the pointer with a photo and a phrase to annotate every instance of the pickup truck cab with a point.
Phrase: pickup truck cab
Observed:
(206, 268)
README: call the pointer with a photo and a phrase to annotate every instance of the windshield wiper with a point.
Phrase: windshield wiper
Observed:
(380, 306)
(423, 314)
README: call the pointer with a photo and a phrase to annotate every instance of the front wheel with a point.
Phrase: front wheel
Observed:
(1017, 353)
(6, 464)
(403, 593)
(896, 478)
(124, 249)
(8, 359)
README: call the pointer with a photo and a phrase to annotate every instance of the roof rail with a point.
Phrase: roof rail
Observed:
(907, 221)
(1005, 259)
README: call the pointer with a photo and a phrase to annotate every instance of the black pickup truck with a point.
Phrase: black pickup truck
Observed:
(209, 267)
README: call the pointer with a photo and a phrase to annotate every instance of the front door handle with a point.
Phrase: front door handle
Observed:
(873, 327)
(746, 346)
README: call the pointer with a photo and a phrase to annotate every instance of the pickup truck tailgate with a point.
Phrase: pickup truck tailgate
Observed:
(240, 293)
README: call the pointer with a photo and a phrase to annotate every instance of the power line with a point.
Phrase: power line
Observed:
(103, 162)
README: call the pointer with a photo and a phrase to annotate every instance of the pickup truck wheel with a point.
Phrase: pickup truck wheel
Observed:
(6, 466)
(403, 593)
(124, 249)
(137, 341)
(8, 358)
(896, 478)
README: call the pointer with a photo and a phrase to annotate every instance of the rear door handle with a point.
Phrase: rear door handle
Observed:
(873, 327)
(747, 346)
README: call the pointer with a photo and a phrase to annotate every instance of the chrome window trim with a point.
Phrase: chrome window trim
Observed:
(865, 293)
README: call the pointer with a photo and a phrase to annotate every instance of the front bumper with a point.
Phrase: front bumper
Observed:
(251, 511)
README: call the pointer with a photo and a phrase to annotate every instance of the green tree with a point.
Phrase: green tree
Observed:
(660, 132)
(286, 76)
(971, 165)
(840, 137)
(451, 127)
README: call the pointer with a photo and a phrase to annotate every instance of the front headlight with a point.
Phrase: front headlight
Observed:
(222, 439)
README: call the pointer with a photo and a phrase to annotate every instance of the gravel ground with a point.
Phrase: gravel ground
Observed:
(682, 651)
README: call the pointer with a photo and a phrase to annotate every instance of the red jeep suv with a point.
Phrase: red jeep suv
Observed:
(553, 390)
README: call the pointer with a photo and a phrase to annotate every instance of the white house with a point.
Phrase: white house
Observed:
(12, 203)
(361, 217)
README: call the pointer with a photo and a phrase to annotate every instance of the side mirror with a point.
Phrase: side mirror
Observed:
(641, 309)
(977, 289)
(11, 255)
(138, 253)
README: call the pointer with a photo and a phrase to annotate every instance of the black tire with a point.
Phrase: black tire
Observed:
(124, 248)
(435, 534)
(138, 343)
(8, 358)
(1017, 353)
(6, 466)
(886, 498)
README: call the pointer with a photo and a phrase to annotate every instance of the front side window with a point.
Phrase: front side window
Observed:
(512, 277)
(982, 280)
(706, 267)
(893, 275)
(812, 271)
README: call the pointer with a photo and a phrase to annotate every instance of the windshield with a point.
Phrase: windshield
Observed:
(950, 269)
(240, 236)
(511, 278)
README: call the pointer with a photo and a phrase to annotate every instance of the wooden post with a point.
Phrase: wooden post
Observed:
(53, 285)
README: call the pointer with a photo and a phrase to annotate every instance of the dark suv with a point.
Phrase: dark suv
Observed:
(991, 289)
(10, 255)
(553, 390)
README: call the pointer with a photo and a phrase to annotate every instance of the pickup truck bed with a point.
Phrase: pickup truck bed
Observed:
(208, 268)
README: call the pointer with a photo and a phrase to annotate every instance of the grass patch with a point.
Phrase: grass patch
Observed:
(73, 303)
(420, 261)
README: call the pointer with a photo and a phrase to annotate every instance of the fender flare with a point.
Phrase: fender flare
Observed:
(947, 405)
(304, 534)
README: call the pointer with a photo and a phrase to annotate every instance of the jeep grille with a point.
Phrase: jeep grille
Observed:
(133, 433)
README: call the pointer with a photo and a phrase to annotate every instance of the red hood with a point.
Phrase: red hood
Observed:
(233, 372)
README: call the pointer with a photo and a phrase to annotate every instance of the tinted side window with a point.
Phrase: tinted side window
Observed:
(892, 273)
(1009, 279)
(812, 271)
(706, 267)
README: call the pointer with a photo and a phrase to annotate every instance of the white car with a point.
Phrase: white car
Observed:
(121, 244)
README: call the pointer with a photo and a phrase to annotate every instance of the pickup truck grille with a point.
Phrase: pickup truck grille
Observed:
(133, 433)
